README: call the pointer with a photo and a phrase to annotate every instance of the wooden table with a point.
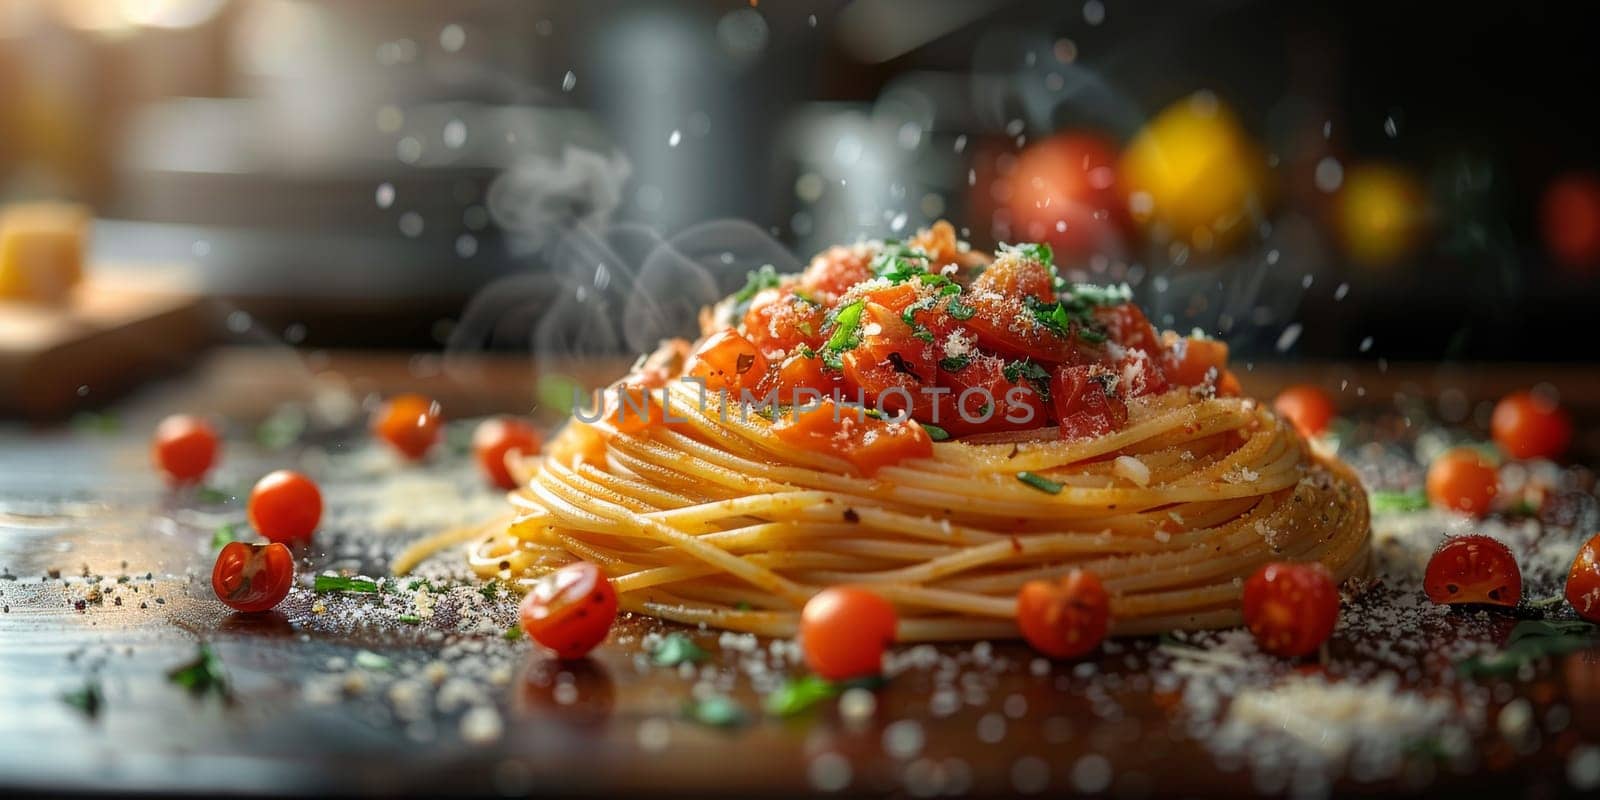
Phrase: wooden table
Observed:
(82, 519)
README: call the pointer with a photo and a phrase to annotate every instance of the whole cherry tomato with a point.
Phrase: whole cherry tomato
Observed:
(1527, 425)
(1583, 581)
(1473, 569)
(1290, 608)
(184, 447)
(409, 423)
(844, 631)
(1463, 480)
(1066, 618)
(1308, 408)
(570, 610)
(285, 506)
(252, 577)
(497, 437)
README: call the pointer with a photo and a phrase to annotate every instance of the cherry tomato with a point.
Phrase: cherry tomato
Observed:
(727, 361)
(869, 443)
(1127, 325)
(497, 437)
(285, 507)
(184, 447)
(1463, 480)
(1086, 402)
(570, 610)
(1308, 408)
(800, 371)
(1473, 569)
(1018, 277)
(1569, 218)
(409, 423)
(1064, 190)
(1190, 361)
(940, 243)
(633, 407)
(252, 577)
(844, 632)
(890, 365)
(1583, 581)
(1065, 618)
(1526, 425)
(779, 321)
(982, 381)
(836, 269)
(1290, 608)
(1005, 327)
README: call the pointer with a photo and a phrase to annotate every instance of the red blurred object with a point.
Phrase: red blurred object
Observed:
(1569, 218)
(1064, 191)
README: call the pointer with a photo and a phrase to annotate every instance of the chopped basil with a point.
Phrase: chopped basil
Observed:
(512, 633)
(959, 310)
(677, 649)
(798, 694)
(844, 323)
(489, 590)
(225, 533)
(765, 278)
(1036, 251)
(935, 432)
(1397, 502)
(1016, 372)
(899, 263)
(717, 711)
(368, 660)
(409, 619)
(340, 583)
(203, 674)
(86, 698)
(1530, 641)
(1039, 482)
(211, 495)
(954, 363)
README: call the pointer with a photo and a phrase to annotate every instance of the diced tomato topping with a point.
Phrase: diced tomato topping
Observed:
(1016, 277)
(890, 358)
(633, 407)
(836, 269)
(1087, 402)
(982, 381)
(779, 321)
(1128, 326)
(1006, 327)
(867, 442)
(727, 361)
(1190, 361)
(939, 242)
(1141, 374)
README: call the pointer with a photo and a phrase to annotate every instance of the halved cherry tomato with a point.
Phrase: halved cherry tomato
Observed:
(1527, 425)
(1127, 325)
(1473, 569)
(869, 443)
(1065, 618)
(1308, 408)
(1191, 361)
(1290, 608)
(570, 610)
(252, 577)
(844, 632)
(410, 423)
(285, 507)
(780, 321)
(1087, 402)
(1017, 277)
(497, 437)
(184, 447)
(727, 361)
(836, 269)
(1583, 581)
(1463, 480)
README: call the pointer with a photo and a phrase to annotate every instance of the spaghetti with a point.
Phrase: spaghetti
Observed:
(719, 516)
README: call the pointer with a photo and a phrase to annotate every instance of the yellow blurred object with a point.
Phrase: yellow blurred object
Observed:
(1380, 214)
(41, 251)
(1194, 175)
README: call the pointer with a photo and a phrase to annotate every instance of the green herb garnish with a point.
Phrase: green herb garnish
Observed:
(959, 310)
(89, 422)
(935, 432)
(340, 583)
(757, 280)
(212, 495)
(1039, 482)
(1016, 372)
(366, 659)
(86, 698)
(203, 674)
(796, 695)
(954, 363)
(225, 533)
(1036, 251)
(1530, 641)
(844, 323)
(677, 649)
(1397, 502)
(717, 711)
(282, 428)
(512, 634)
(409, 619)
(489, 590)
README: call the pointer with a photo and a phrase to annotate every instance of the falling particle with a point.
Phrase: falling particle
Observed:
(452, 38)
(903, 739)
(932, 205)
(1141, 203)
(602, 276)
(239, 321)
(83, 390)
(1014, 127)
(811, 20)
(569, 81)
(1327, 129)
(1030, 775)
(1272, 256)
(829, 772)
(411, 224)
(1366, 344)
(961, 143)
(1329, 175)
(808, 187)
(466, 245)
(1289, 336)
(1091, 774)
(385, 195)
(455, 134)
(1094, 12)
(898, 223)
(200, 249)
(972, 177)
(1342, 292)
(408, 150)
(481, 725)
(1305, 282)
(673, 138)
(654, 735)
(847, 150)
(1390, 127)
(857, 704)
(910, 135)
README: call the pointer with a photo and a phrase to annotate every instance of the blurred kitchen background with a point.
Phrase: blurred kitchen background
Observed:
(1323, 180)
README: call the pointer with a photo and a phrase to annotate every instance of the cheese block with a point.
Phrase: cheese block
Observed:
(42, 249)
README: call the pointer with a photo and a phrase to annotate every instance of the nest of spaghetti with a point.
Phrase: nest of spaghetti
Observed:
(941, 426)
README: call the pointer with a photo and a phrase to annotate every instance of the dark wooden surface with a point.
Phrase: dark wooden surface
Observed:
(81, 515)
